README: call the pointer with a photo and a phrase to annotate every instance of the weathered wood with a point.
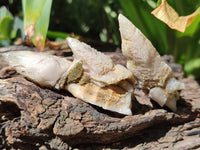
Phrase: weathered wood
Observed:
(33, 117)
(182, 137)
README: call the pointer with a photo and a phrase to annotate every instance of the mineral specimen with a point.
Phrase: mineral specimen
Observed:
(153, 75)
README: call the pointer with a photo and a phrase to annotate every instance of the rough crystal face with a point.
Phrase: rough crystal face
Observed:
(153, 75)
(44, 69)
(99, 67)
(142, 58)
(111, 97)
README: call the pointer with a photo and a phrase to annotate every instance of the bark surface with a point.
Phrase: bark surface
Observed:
(33, 117)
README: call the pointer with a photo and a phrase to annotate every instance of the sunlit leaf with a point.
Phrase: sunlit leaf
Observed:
(151, 3)
(193, 67)
(36, 20)
(168, 15)
(6, 23)
(32, 11)
(55, 34)
(159, 2)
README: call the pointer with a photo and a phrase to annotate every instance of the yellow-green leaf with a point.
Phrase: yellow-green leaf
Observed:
(6, 23)
(36, 20)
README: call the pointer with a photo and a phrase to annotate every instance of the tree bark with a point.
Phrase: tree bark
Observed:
(33, 117)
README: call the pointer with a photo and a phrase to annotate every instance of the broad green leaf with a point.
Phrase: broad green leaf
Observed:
(193, 67)
(159, 2)
(156, 29)
(151, 3)
(55, 34)
(6, 23)
(1, 37)
(36, 20)
(32, 10)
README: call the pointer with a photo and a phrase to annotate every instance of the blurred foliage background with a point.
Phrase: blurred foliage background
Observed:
(96, 20)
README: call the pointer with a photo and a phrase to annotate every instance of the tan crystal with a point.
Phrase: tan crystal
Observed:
(99, 67)
(152, 74)
(111, 97)
(44, 69)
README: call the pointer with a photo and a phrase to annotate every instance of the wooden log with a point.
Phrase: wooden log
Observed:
(34, 117)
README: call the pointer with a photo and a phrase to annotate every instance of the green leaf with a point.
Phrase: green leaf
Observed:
(36, 20)
(193, 67)
(32, 10)
(6, 27)
(55, 34)
(6, 23)
(159, 2)
(151, 3)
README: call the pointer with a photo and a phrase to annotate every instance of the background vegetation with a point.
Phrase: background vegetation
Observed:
(96, 20)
